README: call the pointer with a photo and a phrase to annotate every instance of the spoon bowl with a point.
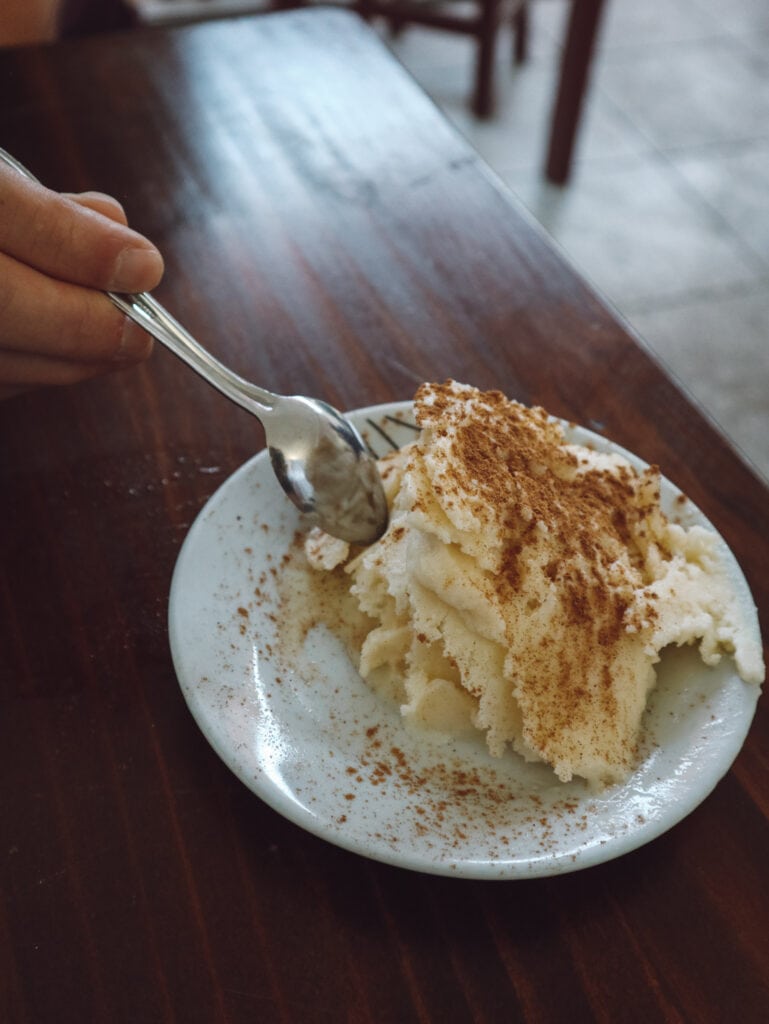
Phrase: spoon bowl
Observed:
(322, 463)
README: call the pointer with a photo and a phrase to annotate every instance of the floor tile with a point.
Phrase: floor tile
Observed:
(630, 25)
(720, 351)
(737, 17)
(756, 42)
(691, 94)
(548, 20)
(636, 235)
(734, 182)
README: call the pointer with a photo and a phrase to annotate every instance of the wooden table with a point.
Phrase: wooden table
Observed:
(326, 232)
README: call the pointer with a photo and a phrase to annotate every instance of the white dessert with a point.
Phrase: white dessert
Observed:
(526, 586)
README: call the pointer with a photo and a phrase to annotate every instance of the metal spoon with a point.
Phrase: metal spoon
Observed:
(318, 456)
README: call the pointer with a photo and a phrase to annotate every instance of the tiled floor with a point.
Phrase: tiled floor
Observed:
(667, 212)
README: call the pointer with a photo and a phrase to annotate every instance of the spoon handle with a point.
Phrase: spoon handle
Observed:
(157, 321)
(146, 311)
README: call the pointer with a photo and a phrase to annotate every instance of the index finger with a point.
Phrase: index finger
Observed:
(72, 242)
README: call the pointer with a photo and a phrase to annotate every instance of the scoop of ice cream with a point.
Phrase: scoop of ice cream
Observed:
(526, 586)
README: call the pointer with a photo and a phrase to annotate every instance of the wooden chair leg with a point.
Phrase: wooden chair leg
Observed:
(575, 64)
(520, 24)
(483, 96)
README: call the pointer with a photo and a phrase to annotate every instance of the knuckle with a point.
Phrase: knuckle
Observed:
(97, 327)
(79, 244)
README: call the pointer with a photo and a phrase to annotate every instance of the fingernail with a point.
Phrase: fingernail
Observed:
(135, 343)
(137, 270)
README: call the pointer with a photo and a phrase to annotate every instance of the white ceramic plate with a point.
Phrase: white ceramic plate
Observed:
(301, 729)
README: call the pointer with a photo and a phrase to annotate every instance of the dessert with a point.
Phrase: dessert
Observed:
(526, 586)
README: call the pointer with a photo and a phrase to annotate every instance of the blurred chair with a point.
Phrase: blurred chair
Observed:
(579, 47)
(480, 19)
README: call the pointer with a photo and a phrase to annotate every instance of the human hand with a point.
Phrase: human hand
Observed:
(58, 255)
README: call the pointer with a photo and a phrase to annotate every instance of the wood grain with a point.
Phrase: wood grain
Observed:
(325, 232)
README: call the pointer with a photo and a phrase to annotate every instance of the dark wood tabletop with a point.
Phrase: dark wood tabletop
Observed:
(325, 232)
